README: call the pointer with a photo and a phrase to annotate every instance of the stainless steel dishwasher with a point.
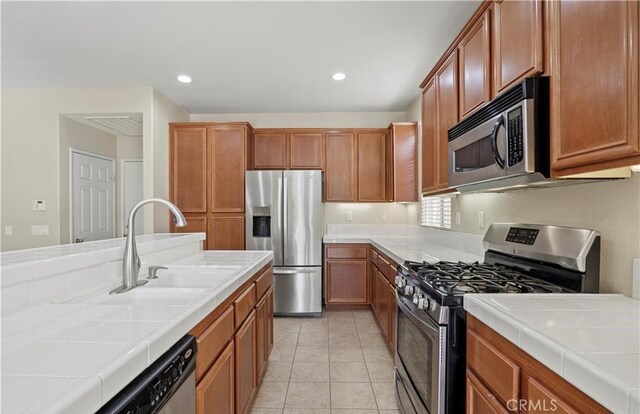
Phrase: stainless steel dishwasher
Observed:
(168, 386)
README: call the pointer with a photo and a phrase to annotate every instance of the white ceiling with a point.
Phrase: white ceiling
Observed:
(243, 56)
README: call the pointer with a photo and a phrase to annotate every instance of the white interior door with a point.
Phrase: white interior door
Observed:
(93, 212)
(132, 193)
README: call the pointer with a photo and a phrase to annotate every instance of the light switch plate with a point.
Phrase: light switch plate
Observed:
(39, 205)
(383, 216)
(349, 216)
(8, 230)
(481, 219)
(40, 230)
(457, 218)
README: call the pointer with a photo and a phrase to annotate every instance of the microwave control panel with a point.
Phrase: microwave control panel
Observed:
(515, 137)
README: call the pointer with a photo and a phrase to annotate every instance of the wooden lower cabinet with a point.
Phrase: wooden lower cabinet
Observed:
(246, 361)
(346, 281)
(393, 314)
(215, 392)
(234, 342)
(502, 378)
(382, 293)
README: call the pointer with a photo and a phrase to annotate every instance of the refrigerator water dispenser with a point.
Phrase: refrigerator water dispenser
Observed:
(261, 221)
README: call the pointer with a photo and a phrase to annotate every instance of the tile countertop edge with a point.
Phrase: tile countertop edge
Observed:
(512, 330)
(89, 395)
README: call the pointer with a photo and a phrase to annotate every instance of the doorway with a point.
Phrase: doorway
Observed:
(93, 213)
(132, 192)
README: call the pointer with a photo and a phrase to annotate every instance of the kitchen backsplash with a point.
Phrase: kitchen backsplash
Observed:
(33, 276)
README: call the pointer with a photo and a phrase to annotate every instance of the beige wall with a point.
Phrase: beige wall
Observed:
(80, 136)
(370, 213)
(164, 111)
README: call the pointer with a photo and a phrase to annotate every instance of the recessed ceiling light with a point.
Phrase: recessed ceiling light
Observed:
(184, 78)
(339, 76)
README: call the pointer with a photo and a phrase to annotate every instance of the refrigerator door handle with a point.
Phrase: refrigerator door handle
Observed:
(285, 213)
(293, 272)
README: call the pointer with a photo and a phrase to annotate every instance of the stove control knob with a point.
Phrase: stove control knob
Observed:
(408, 290)
(423, 303)
(417, 297)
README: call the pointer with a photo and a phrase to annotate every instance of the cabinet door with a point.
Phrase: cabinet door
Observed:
(595, 86)
(479, 398)
(340, 166)
(447, 103)
(404, 166)
(306, 151)
(393, 314)
(227, 166)
(195, 224)
(383, 303)
(346, 281)
(188, 168)
(517, 42)
(372, 166)
(475, 66)
(215, 392)
(544, 401)
(269, 328)
(270, 151)
(261, 337)
(245, 364)
(429, 133)
(226, 232)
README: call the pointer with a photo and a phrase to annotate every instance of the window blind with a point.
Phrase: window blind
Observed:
(436, 212)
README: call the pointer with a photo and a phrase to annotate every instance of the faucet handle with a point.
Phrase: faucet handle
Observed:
(153, 270)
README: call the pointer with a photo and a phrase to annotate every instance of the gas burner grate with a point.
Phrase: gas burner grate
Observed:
(457, 278)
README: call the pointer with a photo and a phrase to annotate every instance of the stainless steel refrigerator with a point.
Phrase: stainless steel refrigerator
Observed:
(284, 213)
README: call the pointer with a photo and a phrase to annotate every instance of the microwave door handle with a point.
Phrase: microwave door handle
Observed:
(494, 142)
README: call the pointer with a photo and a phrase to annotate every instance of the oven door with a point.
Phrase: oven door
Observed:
(420, 359)
(479, 154)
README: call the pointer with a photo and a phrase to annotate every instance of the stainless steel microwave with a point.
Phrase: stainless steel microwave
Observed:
(505, 143)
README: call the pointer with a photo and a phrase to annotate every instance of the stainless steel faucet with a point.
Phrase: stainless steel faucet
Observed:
(131, 260)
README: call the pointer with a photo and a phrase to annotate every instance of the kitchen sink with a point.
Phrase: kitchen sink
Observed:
(191, 278)
(143, 296)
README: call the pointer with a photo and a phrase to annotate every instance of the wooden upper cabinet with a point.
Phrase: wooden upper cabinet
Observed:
(446, 79)
(340, 166)
(402, 167)
(270, 151)
(475, 66)
(372, 166)
(429, 133)
(188, 168)
(517, 42)
(227, 166)
(306, 151)
(226, 232)
(594, 85)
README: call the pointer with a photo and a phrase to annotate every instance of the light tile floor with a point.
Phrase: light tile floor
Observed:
(337, 364)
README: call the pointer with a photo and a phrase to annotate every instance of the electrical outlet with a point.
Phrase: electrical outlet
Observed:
(40, 230)
(39, 205)
(8, 230)
(349, 216)
(383, 216)
(481, 219)
(457, 218)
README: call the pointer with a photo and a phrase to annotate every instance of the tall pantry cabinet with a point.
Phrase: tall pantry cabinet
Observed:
(207, 165)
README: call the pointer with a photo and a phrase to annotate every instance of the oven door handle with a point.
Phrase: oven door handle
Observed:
(494, 142)
(407, 311)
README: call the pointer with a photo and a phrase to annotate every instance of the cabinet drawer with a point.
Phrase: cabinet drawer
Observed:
(495, 370)
(374, 256)
(383, 265)
(244, 304)
(212, 341)
(391, 272)
(264, 282)
(356, 251)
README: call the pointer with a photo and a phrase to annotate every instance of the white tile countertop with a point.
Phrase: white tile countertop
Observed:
(590, 340)
(73, 356)
(413, 248)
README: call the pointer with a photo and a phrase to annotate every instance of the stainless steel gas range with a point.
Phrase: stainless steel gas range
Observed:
(519, 258)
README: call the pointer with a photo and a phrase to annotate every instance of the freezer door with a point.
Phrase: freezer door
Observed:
(303, 218)
(264, 225)
(297, 290)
